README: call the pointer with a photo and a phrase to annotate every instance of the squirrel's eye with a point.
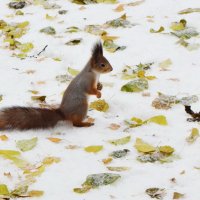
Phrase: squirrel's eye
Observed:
(102, 65)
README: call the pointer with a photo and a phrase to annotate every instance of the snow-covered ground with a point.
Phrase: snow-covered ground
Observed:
(59, 179)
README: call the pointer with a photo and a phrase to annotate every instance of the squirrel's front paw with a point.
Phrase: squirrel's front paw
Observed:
(99, 86)
(98, 94)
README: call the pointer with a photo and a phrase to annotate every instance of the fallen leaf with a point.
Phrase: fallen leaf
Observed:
(119, 153)
(99, 105)
(3, 189)
(166, 149)
(35, 193)
(114, 126)
(120, 141)
(27, 145)
(72, 71)
(118, 169)
(189, 10)
(93, 149)
(55, 140)
(107, 160)
(178, 195)
(38, 98)
(3, 137)
(143, 147)
(119, 8)
(161, 29)
(193, 136)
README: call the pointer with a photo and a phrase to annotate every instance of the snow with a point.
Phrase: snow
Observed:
(59, 179)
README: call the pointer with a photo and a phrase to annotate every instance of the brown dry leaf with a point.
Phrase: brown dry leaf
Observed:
(3, 137)
(107, 160)
(173, 79)
(55, 140)
(41, 82)
(8, 175)
(114, 126)
(38, 98)
(82, 8)
(146, 94)
(72, 147)
(119, 8)
(30, 71)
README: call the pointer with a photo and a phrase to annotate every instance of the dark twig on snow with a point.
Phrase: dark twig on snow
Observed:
(33, 56)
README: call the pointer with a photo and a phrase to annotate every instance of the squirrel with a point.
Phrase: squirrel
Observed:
(74, 103)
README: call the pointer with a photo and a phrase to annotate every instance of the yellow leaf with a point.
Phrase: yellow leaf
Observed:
(72, 71)
(160, 119)
(3, 137)
(120, 141)
(93, 149)
(165, 64)
(38, 98)
(3, 189)
(108, 37)
(50, 160)
(55, 140)
(193, 136)
(178, 195)
(99, 105)
(178, 26)
(118, 169)
(166, 149)
(143, 147)
(35, 193)
(119, 8)
(107, 160)
(84, 189)
(33, 91)
(158, 31)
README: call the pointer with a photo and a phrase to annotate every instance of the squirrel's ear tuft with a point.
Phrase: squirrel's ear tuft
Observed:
(97, 50)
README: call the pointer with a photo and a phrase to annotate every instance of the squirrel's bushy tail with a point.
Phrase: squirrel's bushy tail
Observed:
(24, 118)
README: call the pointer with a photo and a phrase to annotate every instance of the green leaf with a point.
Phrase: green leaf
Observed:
(118, 169)
(96, 180)
(137, 85)
(3, 189)
(82, 190)
(110, 46)
(143, 147)
(120, 141)
(72, 71)
(72, 29)
(93, 149)
(158, 31)
(160, 119)
(27, 145)
(119, 153)
(48, 30)
(74, 42)
(99, 105)
(178, 195)
(193, 136)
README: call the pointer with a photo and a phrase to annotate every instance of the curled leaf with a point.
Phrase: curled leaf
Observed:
(72, 71)
(118, 169)
(74, 42)
(193, 136)
(158, 31)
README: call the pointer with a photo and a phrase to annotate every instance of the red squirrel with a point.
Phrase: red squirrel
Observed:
(74, 104)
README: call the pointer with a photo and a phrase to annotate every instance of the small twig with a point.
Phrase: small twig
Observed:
(33, 56)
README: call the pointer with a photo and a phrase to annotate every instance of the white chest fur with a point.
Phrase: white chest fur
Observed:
(97, 77)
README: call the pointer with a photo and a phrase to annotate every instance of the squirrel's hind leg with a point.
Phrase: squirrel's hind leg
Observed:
(78, 121)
